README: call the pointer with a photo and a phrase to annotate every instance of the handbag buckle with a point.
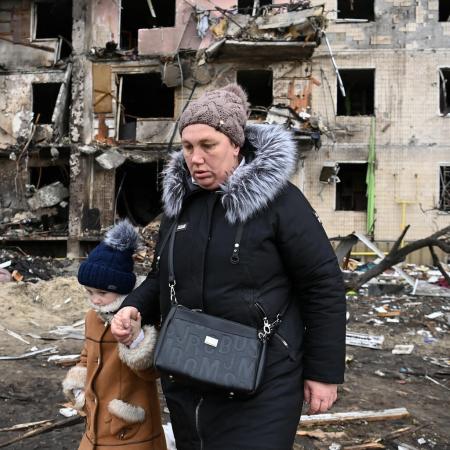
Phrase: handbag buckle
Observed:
(268, 328)
(173, 297)
(266, 331)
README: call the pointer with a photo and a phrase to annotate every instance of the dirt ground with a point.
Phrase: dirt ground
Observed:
(376, 379)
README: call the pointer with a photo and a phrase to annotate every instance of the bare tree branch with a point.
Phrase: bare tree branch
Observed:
(438, 264)
(440, 239)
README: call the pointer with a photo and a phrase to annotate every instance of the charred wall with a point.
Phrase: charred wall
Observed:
(88, 111)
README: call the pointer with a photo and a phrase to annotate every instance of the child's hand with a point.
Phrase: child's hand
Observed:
(120, 325)
(135, 327)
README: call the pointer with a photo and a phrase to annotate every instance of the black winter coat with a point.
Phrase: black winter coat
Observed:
(284, 257)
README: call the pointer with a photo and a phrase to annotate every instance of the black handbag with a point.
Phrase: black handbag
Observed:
(207, 351)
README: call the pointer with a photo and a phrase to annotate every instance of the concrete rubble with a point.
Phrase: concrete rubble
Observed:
(90, 93)
(83, 82)
(397, 346)
(49, 195)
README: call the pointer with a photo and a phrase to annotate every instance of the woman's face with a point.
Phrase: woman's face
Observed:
(209, 154)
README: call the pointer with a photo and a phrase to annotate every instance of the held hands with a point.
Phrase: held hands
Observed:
(126, 325)
(135, 327)
(319, 396)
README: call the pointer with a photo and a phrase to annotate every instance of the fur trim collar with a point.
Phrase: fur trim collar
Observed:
(252, 186)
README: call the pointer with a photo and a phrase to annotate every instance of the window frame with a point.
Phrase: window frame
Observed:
(353, 211)
(440, 166)
(343, 69)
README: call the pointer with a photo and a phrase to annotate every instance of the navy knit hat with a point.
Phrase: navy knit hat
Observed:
(109, 266)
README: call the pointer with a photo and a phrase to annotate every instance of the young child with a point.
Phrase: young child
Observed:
(114, 384)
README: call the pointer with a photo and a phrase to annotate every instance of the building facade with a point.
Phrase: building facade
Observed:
(394, 61)
(90, 92)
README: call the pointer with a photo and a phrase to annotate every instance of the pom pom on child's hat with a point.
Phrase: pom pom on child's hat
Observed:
(109, 266)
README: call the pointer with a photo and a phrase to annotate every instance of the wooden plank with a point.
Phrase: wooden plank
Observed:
(101, 85)
(367, 445)
(21, 20)
(322, 435)
(392, 313)
(44, 428)
(103, 195)
(24, 426)
(364, 340)
(352, 416)
(28, 354)
(14, 334)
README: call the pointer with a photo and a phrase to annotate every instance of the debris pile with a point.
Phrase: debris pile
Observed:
(144, 256)
(413, 279)
(299, 120)
(44, 211)
(23, 267)
(265, 31)
(397, 346)
(298, 21)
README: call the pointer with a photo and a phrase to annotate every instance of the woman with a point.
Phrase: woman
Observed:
(228, 174)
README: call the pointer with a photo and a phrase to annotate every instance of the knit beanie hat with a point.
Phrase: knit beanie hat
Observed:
(110, 265)
(224, 109)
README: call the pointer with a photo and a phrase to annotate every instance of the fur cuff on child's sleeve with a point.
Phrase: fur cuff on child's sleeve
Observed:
(140, 357)
(75, 380)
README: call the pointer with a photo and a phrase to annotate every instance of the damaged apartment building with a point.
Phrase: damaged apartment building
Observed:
(90, 93)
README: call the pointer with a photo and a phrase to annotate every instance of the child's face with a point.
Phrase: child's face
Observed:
(99, 297)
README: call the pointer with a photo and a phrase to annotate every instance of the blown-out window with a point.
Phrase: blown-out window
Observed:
(142, 96)
(444, 11)
(246, 6)
(44, 101)
(351, 189)
(138, 14)
(359, 87)
(444, 91)
(53, 19)
(258, 85)
(355, 9)
(444, 188)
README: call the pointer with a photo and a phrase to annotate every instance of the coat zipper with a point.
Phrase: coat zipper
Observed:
(205, 254)
(282, 340)
(197, 422)
(261, 310)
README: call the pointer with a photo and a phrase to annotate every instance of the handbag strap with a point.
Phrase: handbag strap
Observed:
(234, 259)
(172, 281)
(164, 242)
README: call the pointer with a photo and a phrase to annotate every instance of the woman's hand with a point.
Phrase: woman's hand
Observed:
(121, 324)
(136, 327)
(319, 396)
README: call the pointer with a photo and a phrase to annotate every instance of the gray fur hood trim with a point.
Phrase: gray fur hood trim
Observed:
(252, 186)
